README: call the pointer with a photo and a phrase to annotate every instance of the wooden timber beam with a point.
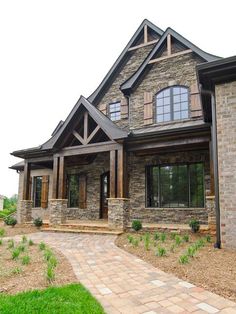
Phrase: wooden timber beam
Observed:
(85, 126)
(61, 178)
(88, 149)
(145, 34)
(168, 45)
(76, 134)
(40, 159)
(181, 53)
(93, 134)
(112, 173)
(170, 143)
(143, 45)
(26, 182)
(55, 178)
(120, 173)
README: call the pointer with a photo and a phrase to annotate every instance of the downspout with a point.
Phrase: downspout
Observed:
(215, 165)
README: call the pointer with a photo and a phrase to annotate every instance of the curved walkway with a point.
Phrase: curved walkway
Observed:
(126, 284)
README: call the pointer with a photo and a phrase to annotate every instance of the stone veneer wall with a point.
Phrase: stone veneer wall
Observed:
(226, 133)
(114, 93)
(36, 212)
(93, 172)
(175, 71)
(136, 172)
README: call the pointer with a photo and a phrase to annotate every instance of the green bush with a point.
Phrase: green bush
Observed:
(1, 242)
(42, 246)
(2, 232)
(50, 273)
(16, 271)
(161, 251)
(10, 221)
(25, 260)
(183, 259)
(24, 239)
(15, 253)
(186, 238)
(130, 238)
(11, 243)
(31, 242)
(52, 261)
(147, 241)
(208, 238)
(191, 251)
(38, 222)
(163, 237)
(156, 236)
(173, 235)
(48, 254)
(136, 225)
(21, 247)
(177, 240)
(194, 224)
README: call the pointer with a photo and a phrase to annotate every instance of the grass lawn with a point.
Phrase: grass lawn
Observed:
(73, 298)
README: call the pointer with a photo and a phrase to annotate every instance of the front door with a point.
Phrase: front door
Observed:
(105, 192)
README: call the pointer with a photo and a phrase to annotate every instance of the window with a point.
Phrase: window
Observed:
(37, 191)
(114, 111)
(172, 103)
(73, 190)
(175, 185)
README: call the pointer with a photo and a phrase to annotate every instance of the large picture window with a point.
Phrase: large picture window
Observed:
(175, 185)
(37, 184)
(172, 103)
(73, 190)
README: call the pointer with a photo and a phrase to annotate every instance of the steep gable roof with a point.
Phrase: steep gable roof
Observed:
(127, 86)
(92, 98)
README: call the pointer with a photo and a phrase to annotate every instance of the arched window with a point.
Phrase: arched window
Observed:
(172, 103)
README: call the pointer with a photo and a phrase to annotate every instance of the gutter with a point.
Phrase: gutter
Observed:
(215, 166)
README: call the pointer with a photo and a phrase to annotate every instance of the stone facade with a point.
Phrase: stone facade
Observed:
(118, 213)
(226, 133)
(57, 209)
(136, 171)
(24, 214)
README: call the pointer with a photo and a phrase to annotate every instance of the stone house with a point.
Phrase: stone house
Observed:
(139, 147)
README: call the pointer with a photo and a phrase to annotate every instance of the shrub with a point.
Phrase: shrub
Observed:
(23, 239)
(194, 224)
(16, 270)
(183, 259)
(50, 273)
(42, 246)
(177, 240)
(136, 225)
(10, 221)
(15, 253)
(130, 238)
(11, 244)
(38, 222)
(21, 248)
(2, 232)
(147, 241)
(31, 242)
(173, 235)
(163, 237)
(25, 260)
(161, 251)
(52, 261)
(208, 238)
(191, 251)
(0, 241)
(48, 254)
(156, 236)
(186, 238)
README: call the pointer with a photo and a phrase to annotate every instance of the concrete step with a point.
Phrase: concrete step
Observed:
(60, 229)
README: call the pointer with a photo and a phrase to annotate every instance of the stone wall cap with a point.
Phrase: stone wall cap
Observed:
(210, 197)
(58, 199)
(118, 198)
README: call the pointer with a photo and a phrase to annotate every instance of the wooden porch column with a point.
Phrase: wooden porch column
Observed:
(120, 173)
(112, 173)
(26, 183)
(61, 178)
(55, 178)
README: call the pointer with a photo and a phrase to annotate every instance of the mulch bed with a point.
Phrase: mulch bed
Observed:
(18, 229)
(15, 277)
(212, 269)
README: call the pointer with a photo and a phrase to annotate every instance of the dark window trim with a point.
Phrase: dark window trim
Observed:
(171, 104)
(108, 109)
(159, 186)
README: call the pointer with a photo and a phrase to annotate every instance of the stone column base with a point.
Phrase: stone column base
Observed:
(210, 205)
(25, 211)
(118, 213)
(57, 211)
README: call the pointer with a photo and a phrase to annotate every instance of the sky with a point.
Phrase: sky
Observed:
(53, 51)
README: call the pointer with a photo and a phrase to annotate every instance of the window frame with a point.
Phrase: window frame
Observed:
(114, 112)
(34, 191)
(171, 88)
(189, 185)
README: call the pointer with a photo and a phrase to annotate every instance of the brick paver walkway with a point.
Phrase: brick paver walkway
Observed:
(125, 284)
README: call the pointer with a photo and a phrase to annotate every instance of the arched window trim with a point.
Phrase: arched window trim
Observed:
(171, 88)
